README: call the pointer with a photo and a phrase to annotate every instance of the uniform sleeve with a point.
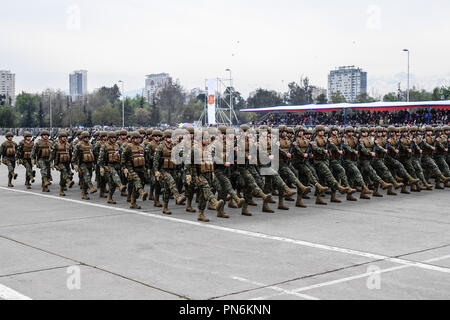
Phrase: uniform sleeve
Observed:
(316, 148)
(34, 150)
(156, 158)
(363, 149)
(101, 156)
(19, 153)
(75, 154)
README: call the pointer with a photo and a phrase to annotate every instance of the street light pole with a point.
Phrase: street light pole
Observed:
(50, 109)
(231, 97)
(123, 104)
(407, 93)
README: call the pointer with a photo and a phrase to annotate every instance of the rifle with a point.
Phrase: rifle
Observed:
(309, 149)
(35, 136)
(292, 148)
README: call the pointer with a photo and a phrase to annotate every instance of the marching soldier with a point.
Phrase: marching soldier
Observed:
(164, 169)
(24, 158)
(101, 180)
(40, 156)
(155, 187)
(83, 163)
(8, 154)
(60, 159)
(440, 154)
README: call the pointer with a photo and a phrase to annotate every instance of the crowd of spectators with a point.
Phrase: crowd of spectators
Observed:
(356, 118)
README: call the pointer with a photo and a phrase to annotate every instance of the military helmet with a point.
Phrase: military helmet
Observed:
(282, 128)
(290, 130)
(363, 129)
(157, 133)
(79, 132)
(167, 134)
(334, 128)
(245, 127)
(414, 129)
(84, 134)
(123, 132)
(62, 134)
(96, 134)
(341, 130)
(391, 129)
(142, 131)
(112, 134)
(223, 129)
(27, 134)
(9, 134)
(190, 130)
(45, 133)
(263, 127)
(372, 129)
(446, 128)
(319, 128)
(149, 132)
(428, 128)
(134, 134)
(103, 134)
(349, 129)
(379, 129)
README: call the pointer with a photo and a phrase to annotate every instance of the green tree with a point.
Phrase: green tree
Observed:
(264, 98)
(106, 115)
(364, 98)
(299, 94)
(7, 117)
(337, 97)
(142, 117)
(27, 105)
(171, 98)
(391, 97)
(322, 99)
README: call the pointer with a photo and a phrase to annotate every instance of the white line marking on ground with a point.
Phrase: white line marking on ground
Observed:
(283, 291)
(342, 280)
(10, 294)
(247, 233)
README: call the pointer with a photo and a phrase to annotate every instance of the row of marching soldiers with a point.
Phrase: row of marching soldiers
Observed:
(330, 160)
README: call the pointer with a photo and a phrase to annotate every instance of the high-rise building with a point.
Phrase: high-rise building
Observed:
(78, 84)
(349, 81)
(8, 87)
(154, 82)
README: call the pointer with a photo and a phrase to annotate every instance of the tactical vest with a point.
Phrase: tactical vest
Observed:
(381, 143)
(351, 141)
(44, 149)
(418, 141)
(167, 158)
(27, 148)
(137, 155)
(113, 153)
(321, 142)
(285, 145)
(430, 141)
(207, 164)
(393, 142)
(406, 142)
(62, 152)
(442, 140)
(86, 149)
(336, 141)
(369, 146)
(154, 145)
(10, 149)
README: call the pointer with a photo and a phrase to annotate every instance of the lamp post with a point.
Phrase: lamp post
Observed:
(407, 93)
(231, 97)
(123, 104)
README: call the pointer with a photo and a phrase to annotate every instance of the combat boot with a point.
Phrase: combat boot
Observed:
(396, 184)
(399, 179)
(180, 199)
(123, 192)
(211, 207)
(129, 197)
(157, 204)
(252, 203)
(201, 216)
(404, 191)
(189, 206)
(427, 185)
(133, 204)
(299, 203)
(84, 195)
(281, 205)
(421, 186)
(411, 180)
(365, 190)
(218, 205)
(92, 188)
(447, 184)
(334, 199)
(231, 204)
(27, 184)
(151, 196)
(444, 178)
(245, 211)
(319, 200)
(391, 192)
(350, 197)
(266, 199)
(166, 208)
(240, 201)
(110, 199)
(414, 188)
(342, 190)
(122, 188)
(288, 192)
(45, 182)
(61, 191)
(69, 183)
(376, 193)
(143, 194)
(304, 189)
(222, 214)
(306, 197)
(275, 193)
(102, 193)
(438, 185)
(290, 199)
(384, 185)
(10, 185)
(321, 189)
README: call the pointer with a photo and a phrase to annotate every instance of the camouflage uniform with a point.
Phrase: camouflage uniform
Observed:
(83, 162)
(8, 154)
(24, 157)
(155, 186)
(428, 162)
(41, 155)
(101, 180)
(60, 159)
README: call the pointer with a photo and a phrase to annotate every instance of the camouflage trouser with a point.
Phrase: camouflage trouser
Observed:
(415, 160)
(442, 164)
(274, 181)
(65, 173)
(168, 184)
(247, 183)
(11, 164)
(396, 168)
(136, 177)
(113, 177)
(325, 174)
(430, 167)
(203, 183)
(85, 174)
(288, 176)
(29, 173)
(44, 166)
(338, 171)
(178, 177)
(407, 163)
(259, 180)
(305, 174)
(223, 185)
(353, 174)
(382, 170)
(368, 171)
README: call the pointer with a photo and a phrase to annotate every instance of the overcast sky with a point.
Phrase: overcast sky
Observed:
(265, 43)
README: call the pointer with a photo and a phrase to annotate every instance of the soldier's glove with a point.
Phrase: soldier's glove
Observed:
(125, 172)
(52, 166)
(157, 175)
(76, 168)
(149, 172)
(33, 162)
(102, 171)
(188, 179)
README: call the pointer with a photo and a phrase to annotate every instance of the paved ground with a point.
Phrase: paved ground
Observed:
(390, 248)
